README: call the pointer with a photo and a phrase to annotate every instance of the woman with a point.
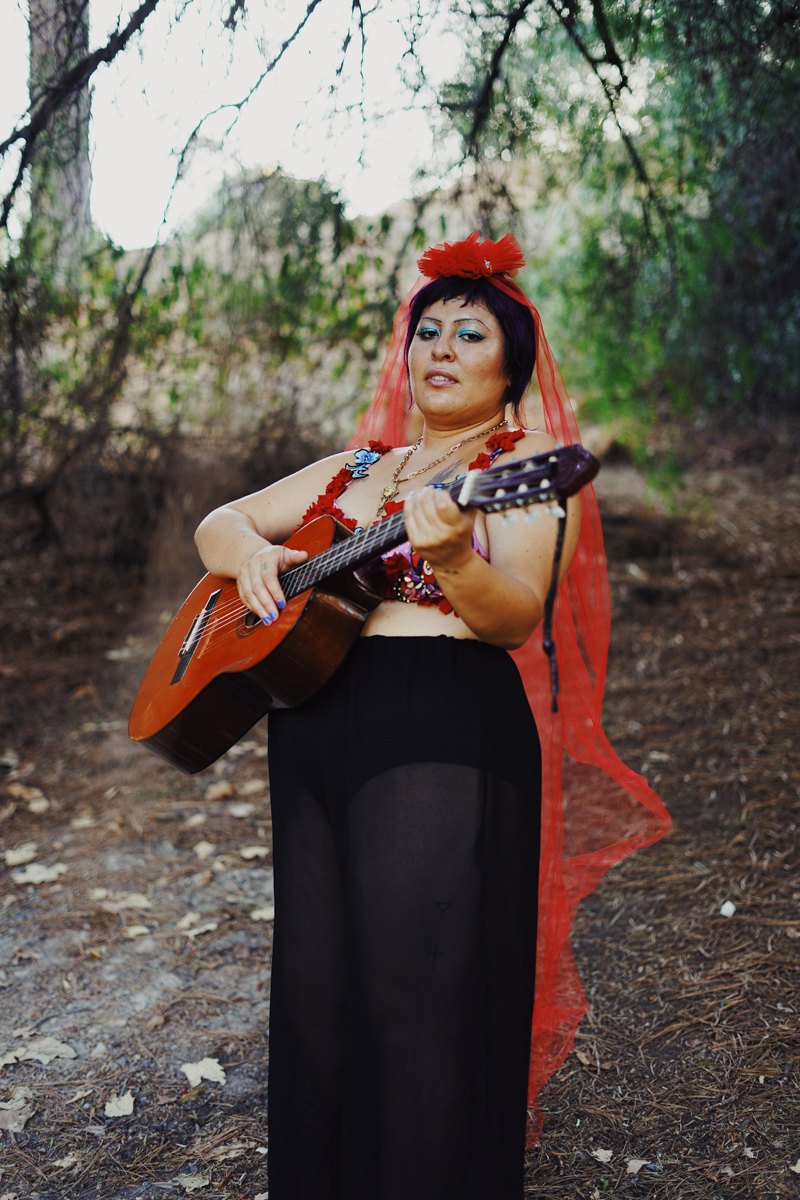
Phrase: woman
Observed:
(406, 795)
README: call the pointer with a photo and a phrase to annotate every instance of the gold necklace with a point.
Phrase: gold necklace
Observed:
(391, 491)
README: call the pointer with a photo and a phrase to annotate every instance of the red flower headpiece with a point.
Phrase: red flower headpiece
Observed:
(472, 259)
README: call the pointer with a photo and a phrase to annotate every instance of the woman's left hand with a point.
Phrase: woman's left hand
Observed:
(438, 529)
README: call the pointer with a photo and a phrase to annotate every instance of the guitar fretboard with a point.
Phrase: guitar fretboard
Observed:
(345, 555)
(352, 552)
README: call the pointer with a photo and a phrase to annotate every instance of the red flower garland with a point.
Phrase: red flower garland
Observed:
(472, 259)
(324, 505)
(498, 443)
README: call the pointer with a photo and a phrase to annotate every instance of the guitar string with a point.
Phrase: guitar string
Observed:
(351, 549)
(333, 559)
(302, 577)
(329, 562)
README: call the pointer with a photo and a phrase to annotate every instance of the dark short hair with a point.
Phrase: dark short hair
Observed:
(514, 319)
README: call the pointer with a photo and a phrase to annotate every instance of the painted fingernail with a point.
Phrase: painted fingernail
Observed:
(267, 620)
(281, 604)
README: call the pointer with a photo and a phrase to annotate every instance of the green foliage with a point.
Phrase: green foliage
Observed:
(267, 315)
(281, 299)
(663, 144)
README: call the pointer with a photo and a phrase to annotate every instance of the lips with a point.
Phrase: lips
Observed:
(440, 377)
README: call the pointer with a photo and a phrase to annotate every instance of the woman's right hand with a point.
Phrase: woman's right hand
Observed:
(258, 584)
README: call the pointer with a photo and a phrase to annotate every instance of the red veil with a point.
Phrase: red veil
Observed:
(595, 810)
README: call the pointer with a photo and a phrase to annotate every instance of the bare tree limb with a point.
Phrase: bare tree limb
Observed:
(57, 94)
(612, 94)
(483, 101)
(238, 105)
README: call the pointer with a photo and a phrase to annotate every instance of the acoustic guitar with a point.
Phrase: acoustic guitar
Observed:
(219, 669)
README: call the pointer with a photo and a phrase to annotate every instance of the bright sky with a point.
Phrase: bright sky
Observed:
(146, 104)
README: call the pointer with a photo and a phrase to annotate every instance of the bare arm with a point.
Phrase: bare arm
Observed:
(238, 540)
(502, 602)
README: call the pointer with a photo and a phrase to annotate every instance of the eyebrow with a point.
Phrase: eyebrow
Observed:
(436, 320)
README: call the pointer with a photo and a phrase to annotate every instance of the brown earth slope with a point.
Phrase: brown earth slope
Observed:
(150, 951)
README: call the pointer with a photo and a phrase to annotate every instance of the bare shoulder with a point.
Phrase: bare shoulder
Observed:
(535, 441)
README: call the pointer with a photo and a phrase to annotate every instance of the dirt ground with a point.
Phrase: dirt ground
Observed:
(145, 947)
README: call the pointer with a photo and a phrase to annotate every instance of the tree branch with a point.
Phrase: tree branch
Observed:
(483, 101)
(57, 94)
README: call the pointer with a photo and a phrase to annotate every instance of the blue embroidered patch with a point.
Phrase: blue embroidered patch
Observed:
(364, 460)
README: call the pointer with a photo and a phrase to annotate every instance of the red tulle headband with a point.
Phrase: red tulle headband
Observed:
(472, 259)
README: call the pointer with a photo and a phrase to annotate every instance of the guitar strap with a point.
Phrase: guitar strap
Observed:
(612, 811)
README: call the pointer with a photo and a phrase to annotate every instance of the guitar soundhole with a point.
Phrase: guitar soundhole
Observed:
(251, 620)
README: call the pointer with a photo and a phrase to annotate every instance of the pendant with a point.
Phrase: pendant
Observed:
(387, 494)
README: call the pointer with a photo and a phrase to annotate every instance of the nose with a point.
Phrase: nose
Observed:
(442, 349)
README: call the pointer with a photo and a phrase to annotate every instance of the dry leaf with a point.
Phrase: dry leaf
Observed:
(31, 795)
(155, 1022)
(26, 1031)
(22, 854)
(727, 908)
(119, 1106)
(748, 1153)
(584, 1058)
(793, 933)
(241, 810)
(118, 902)
(249, 852)
(84, 820)
(81, 1094)
(35, 873)
(134, 931)
(192, 1183)
(69, 1161)
(218, 791)
(14, 1120)
(206, 1068)
(252, 788)
(8, 811)
(197, 818)
(209, 927)
(260, 1196)
(726, 1171)
(263, 914)
(186, 922)
(796, 1167)
(231, 1150)
(204, 850)
(635, 1165)
(602, 1156)
(20, 1096)
(45, 1050)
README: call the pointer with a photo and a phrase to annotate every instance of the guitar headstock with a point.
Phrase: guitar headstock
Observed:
(540, 479)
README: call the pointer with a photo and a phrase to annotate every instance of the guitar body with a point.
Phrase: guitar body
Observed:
(193, 706)
(218, 669)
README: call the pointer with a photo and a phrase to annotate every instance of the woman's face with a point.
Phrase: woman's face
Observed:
(455, 362)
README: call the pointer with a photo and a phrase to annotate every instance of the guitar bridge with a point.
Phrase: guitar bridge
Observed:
(190, 642)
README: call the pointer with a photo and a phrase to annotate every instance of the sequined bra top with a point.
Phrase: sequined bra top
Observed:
(405, 575)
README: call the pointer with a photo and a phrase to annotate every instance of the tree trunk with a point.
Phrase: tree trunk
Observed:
(61, 223)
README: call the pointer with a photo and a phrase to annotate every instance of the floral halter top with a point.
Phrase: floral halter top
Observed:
(405, 576)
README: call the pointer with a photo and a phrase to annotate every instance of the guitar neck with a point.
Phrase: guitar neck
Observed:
(352, 552)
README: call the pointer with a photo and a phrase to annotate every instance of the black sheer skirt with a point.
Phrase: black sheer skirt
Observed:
(406, 804)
